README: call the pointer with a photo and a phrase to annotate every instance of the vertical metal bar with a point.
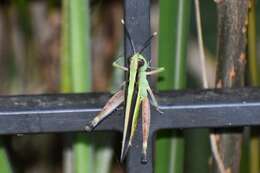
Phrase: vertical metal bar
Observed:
(137, 19)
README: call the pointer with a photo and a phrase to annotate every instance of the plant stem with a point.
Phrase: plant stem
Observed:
(81, 76)
(174, 27)
(76, 70)
(232, 30)
(65, 53)
(80, 46)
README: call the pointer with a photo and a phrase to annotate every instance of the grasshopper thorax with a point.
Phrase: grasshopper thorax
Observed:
(140, 59)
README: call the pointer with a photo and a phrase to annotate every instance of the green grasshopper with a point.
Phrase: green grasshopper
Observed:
(137, 82)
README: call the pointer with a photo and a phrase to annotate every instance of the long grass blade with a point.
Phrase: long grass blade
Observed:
(202, 58)
(65, 84)
(254, 81)
(66, 78)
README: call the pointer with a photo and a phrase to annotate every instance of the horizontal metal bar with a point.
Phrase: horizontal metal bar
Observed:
(182, 109)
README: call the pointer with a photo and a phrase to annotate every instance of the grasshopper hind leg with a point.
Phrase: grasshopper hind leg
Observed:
(144, 154)
(110, 106)
(146, 116)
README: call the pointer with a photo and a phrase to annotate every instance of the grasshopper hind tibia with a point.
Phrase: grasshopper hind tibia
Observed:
(144, 158)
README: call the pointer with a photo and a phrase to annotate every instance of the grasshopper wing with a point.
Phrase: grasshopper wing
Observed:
(134, 121)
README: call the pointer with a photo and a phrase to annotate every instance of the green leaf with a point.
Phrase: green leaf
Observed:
(4, 161)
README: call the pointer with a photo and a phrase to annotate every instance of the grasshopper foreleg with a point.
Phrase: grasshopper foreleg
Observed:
(155, 71)
(117, 65)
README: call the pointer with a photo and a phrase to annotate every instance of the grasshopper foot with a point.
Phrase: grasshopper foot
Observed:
(89, 127)
(159, 110)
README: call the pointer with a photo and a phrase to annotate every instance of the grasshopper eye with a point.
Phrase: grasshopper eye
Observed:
(140, 63)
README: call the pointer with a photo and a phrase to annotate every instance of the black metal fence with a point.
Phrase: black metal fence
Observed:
(182, 109)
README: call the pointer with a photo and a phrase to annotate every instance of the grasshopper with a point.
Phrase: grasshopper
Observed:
(137, 82)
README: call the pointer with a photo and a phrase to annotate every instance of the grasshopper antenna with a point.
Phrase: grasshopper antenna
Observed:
(148, 42)
(129, 36)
